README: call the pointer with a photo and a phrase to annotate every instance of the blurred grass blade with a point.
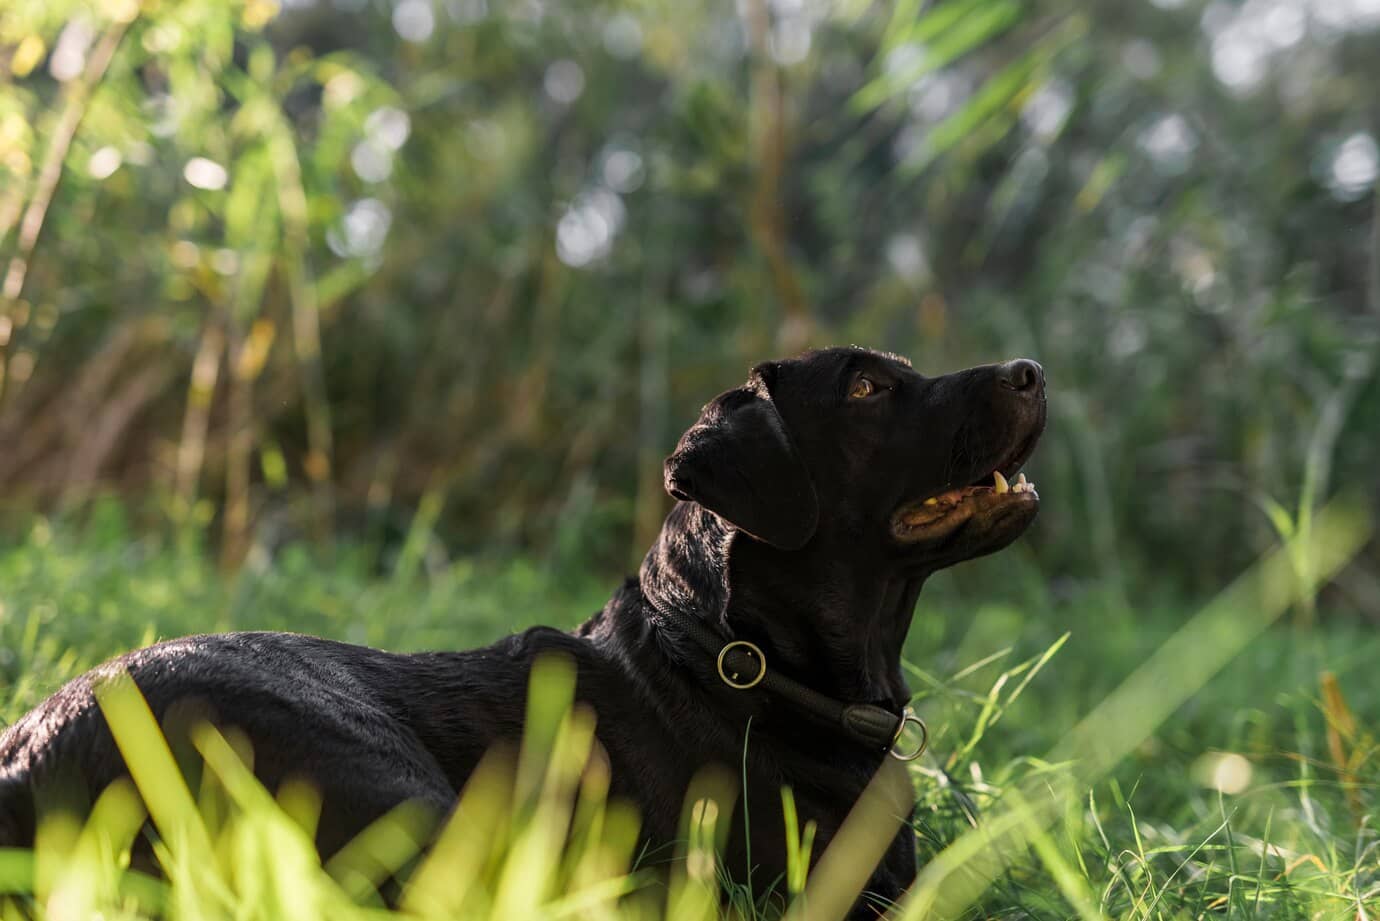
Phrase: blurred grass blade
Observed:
(1341, 736)
(960, 873)
(478, 827)
(941, 36)
(854, 852)
(1211, 639)
(1069, 881)
(1035, 669)
(798, 845)
(1006, 89)
(16, 871)
(375, 855)
(694, 892)
(903, 15)
(531, 873)
(151, 764)
(1279, 516)
(979, 664)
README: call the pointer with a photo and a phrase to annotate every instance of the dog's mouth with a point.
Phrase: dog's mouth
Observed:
(993, 490)
(1003, 488)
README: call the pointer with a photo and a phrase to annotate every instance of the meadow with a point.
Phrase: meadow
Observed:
(1089, 759)
(375, 319)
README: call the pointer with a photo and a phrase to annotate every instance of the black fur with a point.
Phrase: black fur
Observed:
(786, 536)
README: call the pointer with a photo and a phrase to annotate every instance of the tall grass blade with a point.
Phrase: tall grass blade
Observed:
(967, 867)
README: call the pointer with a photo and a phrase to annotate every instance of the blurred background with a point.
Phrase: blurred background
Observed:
(375, 319)
(445, 279)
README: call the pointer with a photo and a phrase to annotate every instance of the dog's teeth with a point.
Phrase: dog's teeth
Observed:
(1022, 480)
(1002, 485)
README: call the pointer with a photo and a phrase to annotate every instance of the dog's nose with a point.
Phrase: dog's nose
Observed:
(1022, 375)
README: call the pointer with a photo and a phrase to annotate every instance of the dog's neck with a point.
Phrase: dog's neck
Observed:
(836, 628)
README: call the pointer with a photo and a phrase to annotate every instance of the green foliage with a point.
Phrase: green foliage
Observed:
(76, 589)
(1253, 798)
(311, 271)
(398, 316)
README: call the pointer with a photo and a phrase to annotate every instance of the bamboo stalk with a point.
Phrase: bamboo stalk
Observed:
(238, 454)
(768, 217)
(74, 109)
(306, 328)
(196, 420)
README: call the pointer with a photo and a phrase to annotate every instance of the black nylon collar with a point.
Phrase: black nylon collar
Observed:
(742, 666)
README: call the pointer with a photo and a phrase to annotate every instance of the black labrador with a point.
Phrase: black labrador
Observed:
(815, 500)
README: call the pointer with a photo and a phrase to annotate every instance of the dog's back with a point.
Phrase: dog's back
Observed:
(44, 752)
(315, 708)
(369, 729)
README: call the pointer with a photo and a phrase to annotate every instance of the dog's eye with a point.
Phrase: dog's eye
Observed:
(862, 388)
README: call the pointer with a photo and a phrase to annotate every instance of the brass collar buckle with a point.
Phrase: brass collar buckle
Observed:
(732, 679)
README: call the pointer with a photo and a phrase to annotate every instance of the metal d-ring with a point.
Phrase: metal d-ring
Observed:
(733, 681)
(908, 716)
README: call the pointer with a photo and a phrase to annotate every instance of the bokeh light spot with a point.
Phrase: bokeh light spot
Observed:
(564, 81)
(1354, 166)
(790, 40)
(1170, 142)
(388, 126)
(585, 232)
(69, 54)
(104, 162)
(1048, 109)
(623, 37)
(371, 161)
(1225, 772)
(205, 174)
(906, 254)
(414, 20)
(363, 230)
(1238, 59)
(622, 170)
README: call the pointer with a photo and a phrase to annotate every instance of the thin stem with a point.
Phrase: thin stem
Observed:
(191, 448)
(49, 177)
(768, 218)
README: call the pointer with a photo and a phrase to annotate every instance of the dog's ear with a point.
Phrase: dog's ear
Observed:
(739, 462)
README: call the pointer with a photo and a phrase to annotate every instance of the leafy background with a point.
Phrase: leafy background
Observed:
(376, 319)
(316, 264)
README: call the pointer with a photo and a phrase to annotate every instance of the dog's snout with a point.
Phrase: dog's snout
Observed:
(1022, 375)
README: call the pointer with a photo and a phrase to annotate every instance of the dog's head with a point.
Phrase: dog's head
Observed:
(850, 446)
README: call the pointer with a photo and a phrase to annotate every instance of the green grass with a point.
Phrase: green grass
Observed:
(1058, 733)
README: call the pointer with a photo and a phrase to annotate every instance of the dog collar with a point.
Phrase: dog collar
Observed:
(743, 666)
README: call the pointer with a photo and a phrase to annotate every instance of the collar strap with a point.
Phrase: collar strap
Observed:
(743, 666)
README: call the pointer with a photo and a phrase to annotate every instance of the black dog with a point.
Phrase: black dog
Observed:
(815, 500)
